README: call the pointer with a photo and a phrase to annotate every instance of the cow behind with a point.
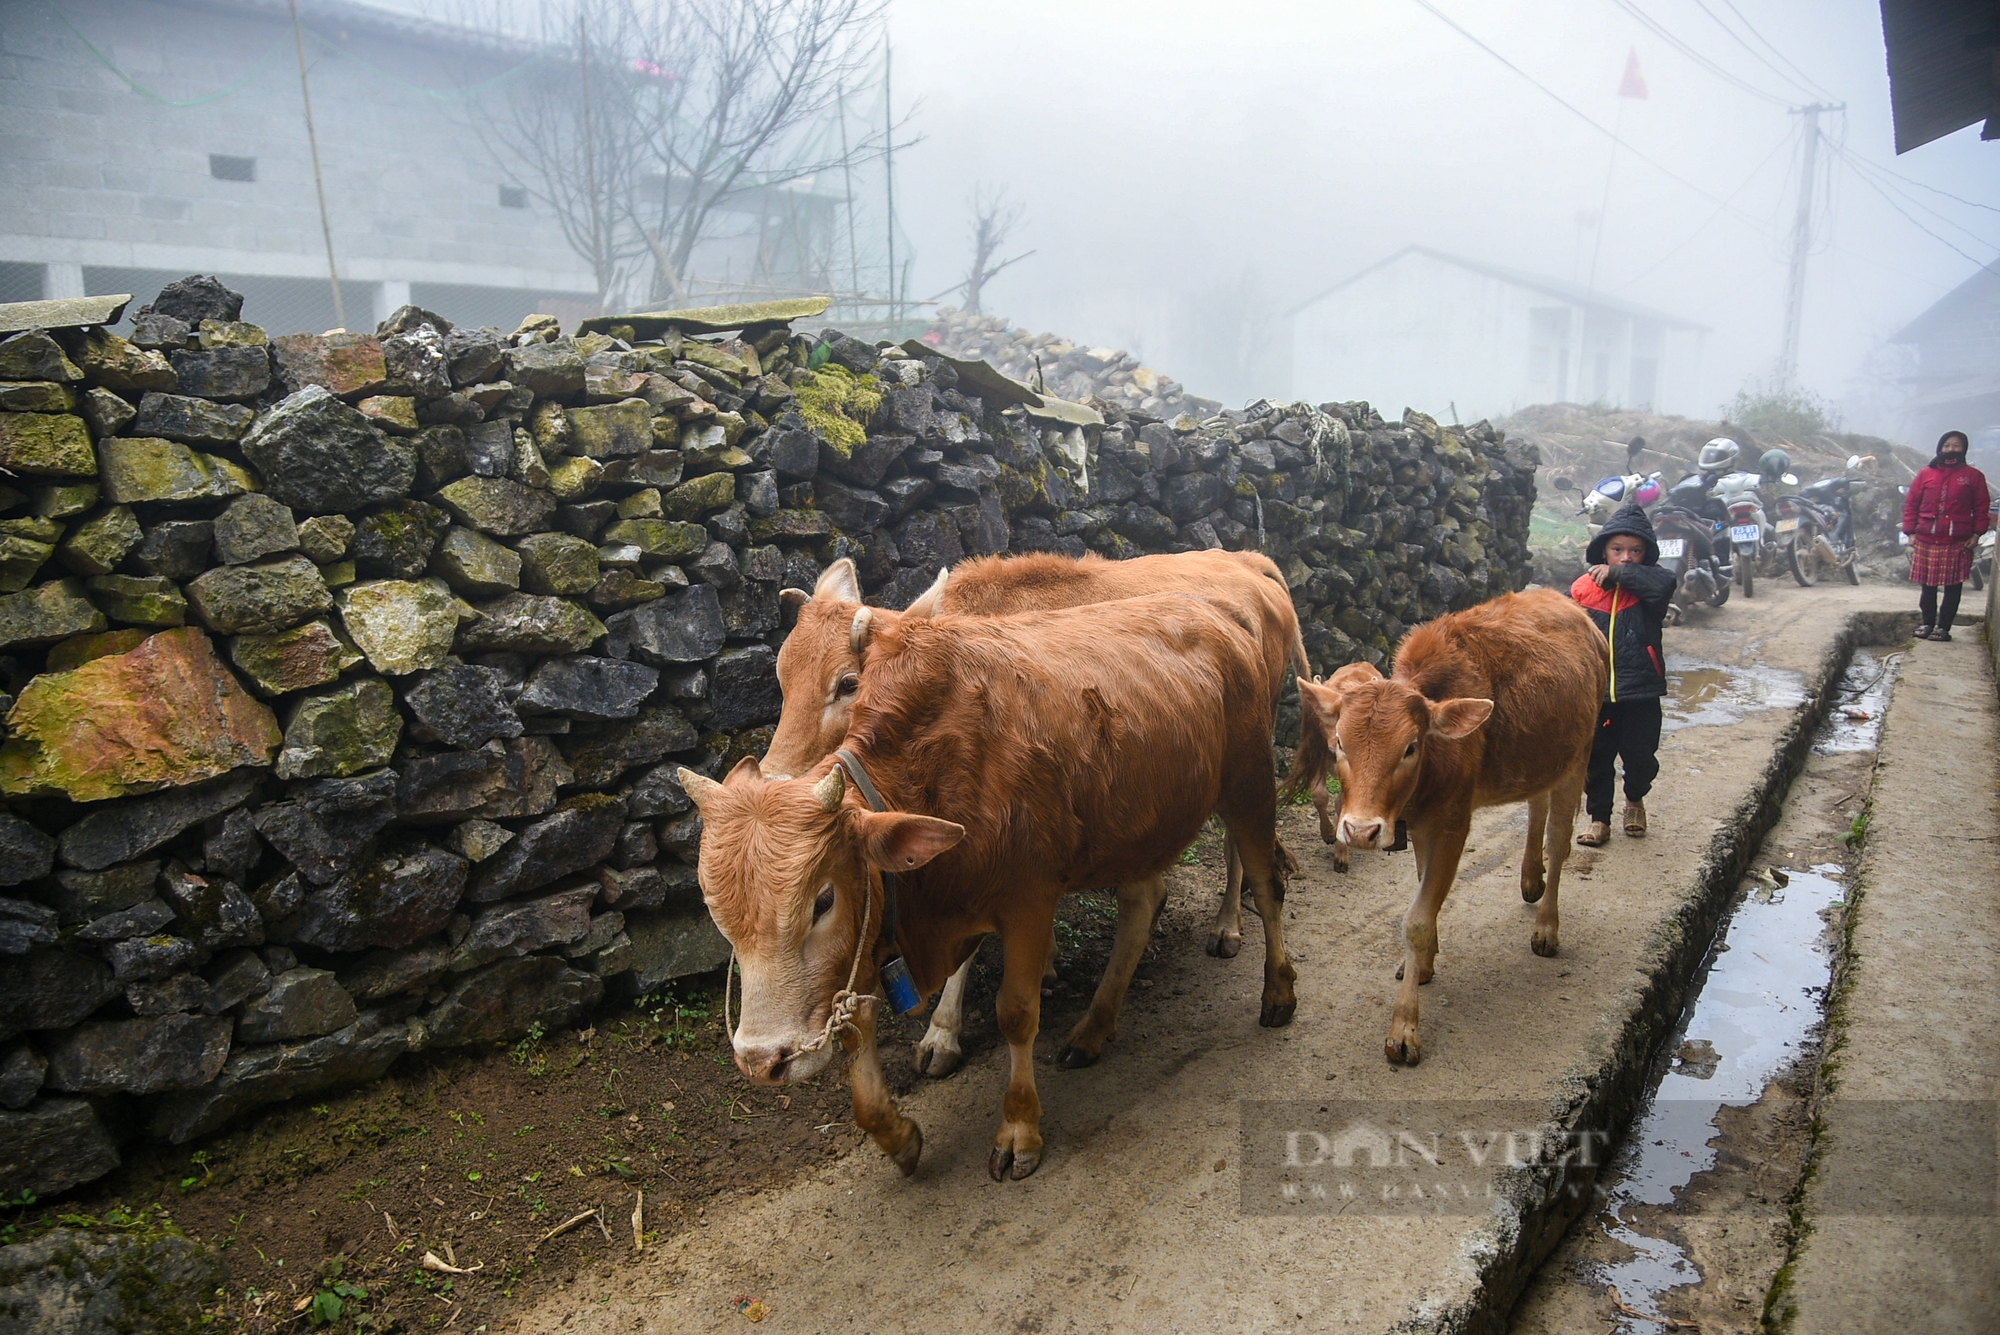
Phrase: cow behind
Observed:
(1019, 759)
(820, 670)
(1487, 706)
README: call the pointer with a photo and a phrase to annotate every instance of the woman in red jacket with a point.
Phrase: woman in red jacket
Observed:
(1947, 509)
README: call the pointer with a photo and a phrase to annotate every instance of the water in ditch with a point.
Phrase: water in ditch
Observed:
(1754, 1018)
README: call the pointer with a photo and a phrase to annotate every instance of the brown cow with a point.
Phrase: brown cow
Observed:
(1046, 753)
(819, 669)
(1492, 705)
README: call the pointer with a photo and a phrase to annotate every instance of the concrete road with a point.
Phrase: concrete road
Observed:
(1137, 1219)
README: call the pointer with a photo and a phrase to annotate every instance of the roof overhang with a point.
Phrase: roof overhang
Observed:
(1944, 67)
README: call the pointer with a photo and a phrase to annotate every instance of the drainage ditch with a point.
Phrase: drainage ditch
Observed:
(1691, 1220)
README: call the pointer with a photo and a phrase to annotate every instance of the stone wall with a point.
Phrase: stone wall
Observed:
(347, 674)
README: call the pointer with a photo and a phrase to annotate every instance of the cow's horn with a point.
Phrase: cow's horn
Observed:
(857, 634)
(698, 787)
(794, 597)
(832, 788)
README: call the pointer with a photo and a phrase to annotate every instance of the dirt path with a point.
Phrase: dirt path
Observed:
(1136, 1219)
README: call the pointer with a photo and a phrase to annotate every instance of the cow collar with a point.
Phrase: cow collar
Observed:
(852, 764)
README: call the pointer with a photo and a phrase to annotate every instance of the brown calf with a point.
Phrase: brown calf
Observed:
(1491, 705)
(819, 671)
(1046, 754)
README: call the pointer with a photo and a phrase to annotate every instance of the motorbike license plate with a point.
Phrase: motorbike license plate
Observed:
(1743, 533)
(1670, 548)
(1788, 525)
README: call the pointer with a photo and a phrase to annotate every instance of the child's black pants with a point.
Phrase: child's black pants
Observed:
(1627, 730)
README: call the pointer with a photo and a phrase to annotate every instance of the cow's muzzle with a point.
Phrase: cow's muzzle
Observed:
(1363, 832)
(780, 1063)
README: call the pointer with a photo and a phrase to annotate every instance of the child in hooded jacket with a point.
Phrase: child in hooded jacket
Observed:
(1627, 595)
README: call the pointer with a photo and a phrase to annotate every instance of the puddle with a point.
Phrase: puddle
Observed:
(1701, 694)
(1760, 1001)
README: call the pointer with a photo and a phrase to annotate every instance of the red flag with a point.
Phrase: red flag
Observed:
(1634, 82)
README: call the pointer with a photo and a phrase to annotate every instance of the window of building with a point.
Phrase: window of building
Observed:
(513, 196)
(223, 167)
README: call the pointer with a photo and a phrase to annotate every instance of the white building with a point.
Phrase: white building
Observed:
(1431, 331)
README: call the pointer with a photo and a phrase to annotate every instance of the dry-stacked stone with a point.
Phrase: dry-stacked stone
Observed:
(345, 676)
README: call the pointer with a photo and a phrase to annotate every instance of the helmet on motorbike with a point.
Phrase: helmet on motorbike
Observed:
(1774, 464)
(1648, 492)
(1718, 456)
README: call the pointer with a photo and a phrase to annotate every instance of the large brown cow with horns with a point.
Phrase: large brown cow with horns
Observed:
(1017, 759)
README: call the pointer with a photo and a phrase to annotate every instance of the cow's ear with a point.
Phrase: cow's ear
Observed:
(745, 771)
(896, 841)
(1459, 718)
(840, 583)
(1323, 699)
(925, 605)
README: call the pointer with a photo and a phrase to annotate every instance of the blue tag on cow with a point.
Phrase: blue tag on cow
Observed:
(896, 982)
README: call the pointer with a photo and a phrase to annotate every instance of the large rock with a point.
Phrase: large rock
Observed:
(463, 705)
(402, 626)
(167, 713)
(683, 627)
(35, 356)
(402, 894)
(133, 469)
(668, 944)
(549, 370)
(22, 1070)
(557, 563)
(47, 613)
(51, 989)
(259, 599)
(124, 831)
(702, 496)
(99, 543)
(252, 527)
(666, 539)
(322, 457)
(744, 691)
(330, 823)
(478, 567)
(505, 930)
(45, 1150)
(255, 1076)
(508, 998)
(588, 688)
(527, 623)
(211, 911)
(581, 832)
(324, 538)
(335, 364)
(517, 778)
(396, 542)
(192, 421)
(85, 896)
(174, 549)
(597, 758)
(293, 660)
(25, 925)
(26, 854)
(611, 429)
(138, 600)
(300, 1003)
(46, 445)
(77, 650)
(497, 505)
(196, 298)
(341, 731)
(222, 373)
(388, 973)
(144, 919)
(110, 361)
(142, 1056)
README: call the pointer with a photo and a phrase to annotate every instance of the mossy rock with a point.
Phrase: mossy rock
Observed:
(838, 405)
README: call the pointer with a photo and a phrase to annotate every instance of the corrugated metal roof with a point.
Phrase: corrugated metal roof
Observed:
(1554, 287)
(1977, 298)
(1942, 72)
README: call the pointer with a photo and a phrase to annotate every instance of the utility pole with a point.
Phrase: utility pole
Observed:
(1795, 283)
(319, 181)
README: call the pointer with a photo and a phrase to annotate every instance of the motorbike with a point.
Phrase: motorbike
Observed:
(1982, 560)
(1816, 526)
(1603, 500)
(1751, 534)
(1688, 548)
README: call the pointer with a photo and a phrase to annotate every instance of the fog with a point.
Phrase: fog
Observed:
(1178, 160)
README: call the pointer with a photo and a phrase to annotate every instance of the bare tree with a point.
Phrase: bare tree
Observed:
(660, 127)
(994, 220)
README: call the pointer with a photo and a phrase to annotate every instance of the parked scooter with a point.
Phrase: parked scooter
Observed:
(1603, 500)
(1816, 526)
(1751, 534)
(1688, 548)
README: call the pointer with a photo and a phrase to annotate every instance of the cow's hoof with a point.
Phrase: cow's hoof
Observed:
(906, 1158)
(1005, 1164)
(1544, 943)
(1340, 866)
(1531, 891)
(1074, 1058)
(1277, 1015)
(937, 1056)
(1423, 975)
(1224, 946)
(1403, 1051)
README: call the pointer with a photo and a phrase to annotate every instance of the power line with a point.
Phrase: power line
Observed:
(1755, 173)
(1660, 30)
(1970, 203)
(1798, 78)
(1868, 170)
(1890, 200)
